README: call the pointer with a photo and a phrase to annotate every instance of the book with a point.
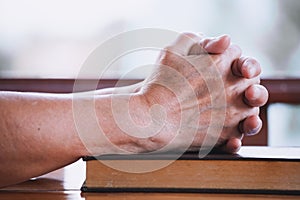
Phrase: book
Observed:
(265, 170)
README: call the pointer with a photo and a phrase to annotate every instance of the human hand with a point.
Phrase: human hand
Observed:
(240, 78)
(244, 67)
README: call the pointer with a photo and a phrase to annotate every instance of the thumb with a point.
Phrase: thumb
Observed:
(211, 45)
(216, 45)
(184, 43)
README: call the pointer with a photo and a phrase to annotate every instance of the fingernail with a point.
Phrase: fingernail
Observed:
(209, 42)
(217, 38)
(248, 69)
(252, 131)
(256, 93)
(252, 71)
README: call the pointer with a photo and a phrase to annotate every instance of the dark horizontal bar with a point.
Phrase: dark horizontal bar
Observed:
(283, 90)
(280, 90)
(59, 85)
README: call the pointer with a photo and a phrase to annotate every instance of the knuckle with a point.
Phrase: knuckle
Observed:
(242, 60)
(167, 48)
(252, 61)
(166, 58)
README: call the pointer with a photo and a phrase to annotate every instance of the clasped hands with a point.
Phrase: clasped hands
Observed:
(179, 66)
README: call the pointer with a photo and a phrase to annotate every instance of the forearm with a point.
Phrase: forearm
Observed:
(37, 135)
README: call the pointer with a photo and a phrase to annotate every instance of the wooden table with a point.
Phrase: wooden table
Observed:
(64, 184)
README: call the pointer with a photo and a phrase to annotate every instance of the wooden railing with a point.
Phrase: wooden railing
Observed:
(280, 90)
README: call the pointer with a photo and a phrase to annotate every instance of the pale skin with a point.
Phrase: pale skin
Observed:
(39, 134)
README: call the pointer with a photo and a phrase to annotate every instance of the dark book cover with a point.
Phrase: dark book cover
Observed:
(248, 154)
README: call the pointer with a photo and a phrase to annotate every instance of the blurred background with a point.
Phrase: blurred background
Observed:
(52, 38)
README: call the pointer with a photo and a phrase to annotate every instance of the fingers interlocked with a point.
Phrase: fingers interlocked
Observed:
(243, 69)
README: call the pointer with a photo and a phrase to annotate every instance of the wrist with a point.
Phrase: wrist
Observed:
(160, 113)
(121, 119)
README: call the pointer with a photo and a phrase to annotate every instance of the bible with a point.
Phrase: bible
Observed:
(264, 170)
